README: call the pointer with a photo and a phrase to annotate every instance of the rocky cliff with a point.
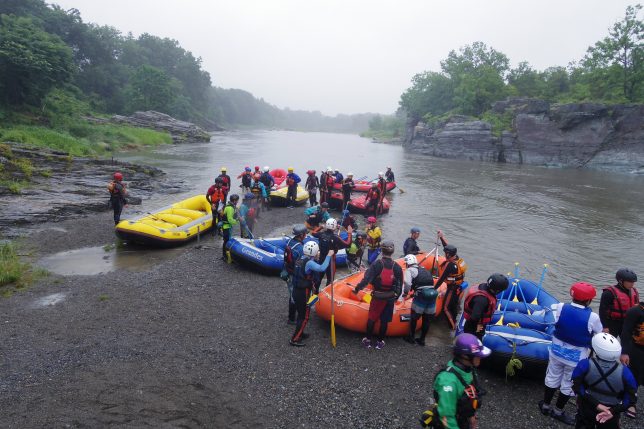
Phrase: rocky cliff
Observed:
(571, 135)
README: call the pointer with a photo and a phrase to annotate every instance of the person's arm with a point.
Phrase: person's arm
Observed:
(450, 269)
(447, 389)
(442, 237)
(314, 266)
(594, 324)
(407, 281)
(605, 304)
(627, 331)
(630, 390)
(343, 244)
(372, 272)
(479, 305)
(578, 375)
(398, 279)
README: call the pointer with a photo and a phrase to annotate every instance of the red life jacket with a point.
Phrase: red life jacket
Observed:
(373, 194)
(621, 302)
(489, 312)
(290, 181)
(330, 180)
(216, 194)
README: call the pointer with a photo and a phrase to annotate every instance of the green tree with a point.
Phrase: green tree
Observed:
(150, 89)
(527, 81)
(31, 61)
(431, 92)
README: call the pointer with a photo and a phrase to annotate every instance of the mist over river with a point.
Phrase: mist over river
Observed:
(585, 224)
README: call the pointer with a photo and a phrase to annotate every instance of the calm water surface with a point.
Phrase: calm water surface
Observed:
(584, 224)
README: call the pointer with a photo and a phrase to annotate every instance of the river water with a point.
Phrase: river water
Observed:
(584, 224)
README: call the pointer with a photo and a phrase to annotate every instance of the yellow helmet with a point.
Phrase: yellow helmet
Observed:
(290, 169)
(223, 168)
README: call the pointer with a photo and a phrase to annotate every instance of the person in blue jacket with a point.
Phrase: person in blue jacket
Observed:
(605, 387)
(292, 180)
(305, 278)
(268, 182)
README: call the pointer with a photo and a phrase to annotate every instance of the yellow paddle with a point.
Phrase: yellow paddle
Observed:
(333, 342)
(512, 289)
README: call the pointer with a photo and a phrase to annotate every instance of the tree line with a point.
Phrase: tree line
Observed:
(54, 64)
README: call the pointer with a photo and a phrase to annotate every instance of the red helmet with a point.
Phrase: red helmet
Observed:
(257, 168)
(371, 219)
(118, 176)
(582, 291)
(310, 172)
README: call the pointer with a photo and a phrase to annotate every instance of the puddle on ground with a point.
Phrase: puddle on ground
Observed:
(90, 261)
(48, 300)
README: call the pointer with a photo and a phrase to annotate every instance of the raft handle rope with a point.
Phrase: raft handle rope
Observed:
(513, 364)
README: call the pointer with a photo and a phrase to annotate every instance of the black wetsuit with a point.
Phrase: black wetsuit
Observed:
(410, 247)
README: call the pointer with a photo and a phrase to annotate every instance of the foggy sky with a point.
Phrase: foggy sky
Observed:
(353, 56)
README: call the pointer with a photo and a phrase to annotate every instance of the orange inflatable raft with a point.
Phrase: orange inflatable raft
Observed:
(351, 310)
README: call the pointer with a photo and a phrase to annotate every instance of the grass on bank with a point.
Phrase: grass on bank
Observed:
(15, 274)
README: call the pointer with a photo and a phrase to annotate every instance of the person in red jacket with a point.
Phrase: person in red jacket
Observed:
(373, 199)
(617, 300)
(216, 196)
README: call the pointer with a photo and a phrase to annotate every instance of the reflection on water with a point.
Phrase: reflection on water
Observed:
(98, 260)
(585, 224)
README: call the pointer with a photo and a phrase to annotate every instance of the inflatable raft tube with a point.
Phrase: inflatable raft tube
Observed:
(278, 196)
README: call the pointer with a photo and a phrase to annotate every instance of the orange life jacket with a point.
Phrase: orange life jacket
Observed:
(456, 279)
(217, 195)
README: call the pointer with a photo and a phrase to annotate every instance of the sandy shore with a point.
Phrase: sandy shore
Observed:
(195, 342)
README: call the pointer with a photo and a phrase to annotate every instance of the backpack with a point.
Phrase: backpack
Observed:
(110, 187)
(289, 258)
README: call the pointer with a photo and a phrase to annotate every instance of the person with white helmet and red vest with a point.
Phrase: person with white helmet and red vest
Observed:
(480, 304)
(575, 325)
(616, 300)
(312, 184)
(118, 192)
(382, 186)
(386, 277)
(292, 180)
(604, 386)
(420, 282)
(330, 240)
(306, 278)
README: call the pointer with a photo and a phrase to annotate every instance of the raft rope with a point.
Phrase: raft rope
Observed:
(513, 364)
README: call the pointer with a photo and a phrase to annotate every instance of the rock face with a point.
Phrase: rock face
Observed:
(181, 131)
(571, 135)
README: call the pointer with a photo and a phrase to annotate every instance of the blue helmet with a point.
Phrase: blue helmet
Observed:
(415, 230)
(247, 168)
(249, 196)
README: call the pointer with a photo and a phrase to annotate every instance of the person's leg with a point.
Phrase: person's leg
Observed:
(412, 327)
(423, 330)
(226, 237)
(292, 310)
(302, 309)
(383, 331)
(118, 208)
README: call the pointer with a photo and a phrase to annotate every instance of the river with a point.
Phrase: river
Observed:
(584, 224)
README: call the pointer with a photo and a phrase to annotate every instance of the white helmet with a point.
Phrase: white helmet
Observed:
(380, 174)
(331, 224)
(411, 260)
(349, 174)
(329, 170)
(266, 169)
(606, 347)
(311, 248)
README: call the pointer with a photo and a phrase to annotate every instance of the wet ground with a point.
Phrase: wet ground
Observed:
(190, 341)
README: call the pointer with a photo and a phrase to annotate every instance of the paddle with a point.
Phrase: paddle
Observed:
(333, 341)
(500, 321)
(435, 264)
(543, 275)
(516, 276)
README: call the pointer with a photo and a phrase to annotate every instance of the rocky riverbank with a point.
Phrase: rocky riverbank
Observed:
(591, 135)
(194, 342)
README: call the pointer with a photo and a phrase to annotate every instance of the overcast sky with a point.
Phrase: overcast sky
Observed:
(354, 56)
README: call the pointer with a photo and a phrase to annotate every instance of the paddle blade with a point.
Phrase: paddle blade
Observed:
(333, 330)
(534, 301)
(366, 298)
(500, 321)
(312, 300)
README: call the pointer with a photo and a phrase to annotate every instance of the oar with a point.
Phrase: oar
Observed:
(333, 342)
(500, 321)
(516, 276)
(543, 275)
(435, 264)
(525, 303)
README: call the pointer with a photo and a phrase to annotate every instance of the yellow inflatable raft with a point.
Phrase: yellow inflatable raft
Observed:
(169, 226)
(278, 196)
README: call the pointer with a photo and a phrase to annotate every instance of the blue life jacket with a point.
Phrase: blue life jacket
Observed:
(572, 326)
(301, 280)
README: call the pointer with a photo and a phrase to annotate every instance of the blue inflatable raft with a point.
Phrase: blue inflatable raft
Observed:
(521, 327)
(267, 254)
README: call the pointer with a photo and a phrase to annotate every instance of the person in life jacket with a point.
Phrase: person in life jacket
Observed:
(617, 300)
(480, 304)
(374, 236)
(268, 182)
(575, 325)
(633, 347)
(347, 187)
(330, 181)
(259, 192)
(389, 175)
(292, 180)
(226, 181)
(292, 252)
(216, 195)
(385, 276)
(316, 215)
(328, 240)
(604, 386)
(382, 186)
(356, 250)
(348, 220)
(420, 282)
(457, 393)
(452, 272)
(323, 186)
(118, 192)
(372, 200)
(312, 184)
(257, 170)
(306, 279)
(229, 219)
(246, 177)
(247, 215)
(410, 246)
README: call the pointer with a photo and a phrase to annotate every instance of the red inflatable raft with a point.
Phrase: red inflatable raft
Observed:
(364, 186)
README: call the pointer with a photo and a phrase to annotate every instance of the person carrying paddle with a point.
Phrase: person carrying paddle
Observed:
(419, 281)
(247, 215)
(118, 192)
(617, 300)
(633, 347)
(374, 236)
(575, 325)
(312, 184)
(347, 187)
(382, 186)
(305, 279)
(229, 220)
(604, 386)
(216, 196)
(410, 246)
(372, 200)
(480, 304)
(456, 388)
(329, 240)
(386, 277)
(292, 253)
(452, 272)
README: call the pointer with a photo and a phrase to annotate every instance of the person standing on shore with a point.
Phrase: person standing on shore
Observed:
(452, 272)
(292, 180)
(247, 216)
(216, 195)
(323, 187)
(246, 177)
(605, 387)
(226, 181)
(306, 279)
(268, 182)
(480, 304)
(292, 253)
(329, 240)
(229, 220)
(410, 246)
(575, 325)
(118, 192)
(386, 277)
(456, 388)
(419, 281)
(633, 347)
(617, 300)
(312, 184)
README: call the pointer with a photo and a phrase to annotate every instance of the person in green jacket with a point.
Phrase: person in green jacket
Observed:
(229, 220)
(456, 389)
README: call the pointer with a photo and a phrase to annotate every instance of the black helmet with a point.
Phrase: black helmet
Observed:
(219, 180)
(625, 275)
(299, 230)
(387, 247)
(361, 234)
(234, 197)
(450, 250)
(324, 205)
(498, 282)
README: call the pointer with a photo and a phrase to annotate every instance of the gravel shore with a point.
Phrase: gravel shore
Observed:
(194, 342)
